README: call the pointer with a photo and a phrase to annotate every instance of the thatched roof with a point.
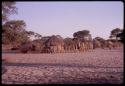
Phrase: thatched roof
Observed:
(54, 40)
(68, 41)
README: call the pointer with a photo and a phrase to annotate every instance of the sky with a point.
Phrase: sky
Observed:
(65, 18)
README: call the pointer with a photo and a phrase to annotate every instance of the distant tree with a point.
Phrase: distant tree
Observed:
(34, 34)
(99, 39)
(115, 32)
(30, 33)
(8, 8)
(121, 36)
(38, 35)
(82, 35)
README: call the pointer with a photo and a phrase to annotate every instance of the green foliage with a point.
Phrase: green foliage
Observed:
(7, 36)
(121, 36)
(14, 32)
(30, 33)
(38, 35)
(83, 35)
(115, 32)
(17, 25)
(21, 38)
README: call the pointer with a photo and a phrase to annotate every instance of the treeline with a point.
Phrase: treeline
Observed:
(14, 33)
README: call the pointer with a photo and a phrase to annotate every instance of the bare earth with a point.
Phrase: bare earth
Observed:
(94, 67)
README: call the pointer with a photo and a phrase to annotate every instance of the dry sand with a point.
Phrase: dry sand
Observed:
(98, 66)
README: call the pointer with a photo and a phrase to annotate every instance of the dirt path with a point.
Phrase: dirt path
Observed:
(98, 66)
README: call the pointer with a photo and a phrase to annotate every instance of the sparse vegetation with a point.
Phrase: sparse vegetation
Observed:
(32, 58)
(14, 33)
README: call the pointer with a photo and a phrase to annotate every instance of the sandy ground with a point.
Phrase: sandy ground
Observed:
(93, 67)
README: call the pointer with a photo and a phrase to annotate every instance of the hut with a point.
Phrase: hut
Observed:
(54, 44)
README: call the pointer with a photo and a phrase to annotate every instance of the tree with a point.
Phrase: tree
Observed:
(38, 35)
(7, 35)
(30, 33)
(14, 32)
(17, 25)
(121, 36)
(99, 39)
(8, 8)
(115, 32)
(82, 35)
(33, 34)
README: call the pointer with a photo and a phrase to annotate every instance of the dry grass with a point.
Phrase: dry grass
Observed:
(97, 66)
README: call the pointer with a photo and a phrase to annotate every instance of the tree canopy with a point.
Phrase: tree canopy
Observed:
(8, 8)
(11, 37)
(121, 36)
(13, 31)
(115, 32)
(82, 35)
(17, 25)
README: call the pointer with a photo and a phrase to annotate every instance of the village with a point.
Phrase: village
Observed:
(29, 57)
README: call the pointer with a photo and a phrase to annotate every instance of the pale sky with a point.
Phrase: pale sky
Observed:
(65, 18)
